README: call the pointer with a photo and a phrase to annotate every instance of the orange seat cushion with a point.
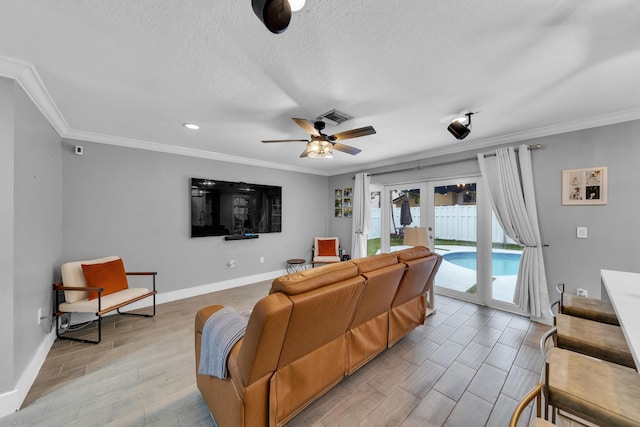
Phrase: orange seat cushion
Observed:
(109, 275)
(327, 247)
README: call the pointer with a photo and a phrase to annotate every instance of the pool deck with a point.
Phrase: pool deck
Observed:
(461, 279)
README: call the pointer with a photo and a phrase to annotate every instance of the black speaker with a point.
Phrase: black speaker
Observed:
(458, 130)
(274, 14)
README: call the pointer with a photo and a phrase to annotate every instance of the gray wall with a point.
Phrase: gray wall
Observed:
(31, 188)
(614, 237)
(37, 224)
(136, 204)
(6, 232)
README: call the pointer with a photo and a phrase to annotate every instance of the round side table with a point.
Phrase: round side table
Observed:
(295, 264)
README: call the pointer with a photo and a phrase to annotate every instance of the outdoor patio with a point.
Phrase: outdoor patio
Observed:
(458, 278)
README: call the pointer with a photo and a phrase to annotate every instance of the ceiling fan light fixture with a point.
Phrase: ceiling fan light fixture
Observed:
(460, 130)
(320, 149)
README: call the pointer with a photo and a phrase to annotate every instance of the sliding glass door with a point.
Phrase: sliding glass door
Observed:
(393, 210)
(480, 262)
(505, 261)
(458, 238)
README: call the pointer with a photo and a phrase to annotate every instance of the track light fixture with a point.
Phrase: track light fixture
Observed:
(459, 129)
(274, 14)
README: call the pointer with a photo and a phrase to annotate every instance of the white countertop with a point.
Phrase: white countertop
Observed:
(623, 289)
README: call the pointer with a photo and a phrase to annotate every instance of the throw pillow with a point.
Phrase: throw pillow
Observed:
(327, 247)
(109, 275)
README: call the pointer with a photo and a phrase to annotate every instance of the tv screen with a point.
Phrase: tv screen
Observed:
(221, 208)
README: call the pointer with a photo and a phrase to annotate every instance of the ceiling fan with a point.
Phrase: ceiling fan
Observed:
(321, 145)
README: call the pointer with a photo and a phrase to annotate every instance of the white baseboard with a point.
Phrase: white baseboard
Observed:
(12, 400)
(164, 297)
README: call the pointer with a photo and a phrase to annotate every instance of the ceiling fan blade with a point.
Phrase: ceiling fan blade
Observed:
(346, 148)
(353, 133)
(307, 126)
(286, 140)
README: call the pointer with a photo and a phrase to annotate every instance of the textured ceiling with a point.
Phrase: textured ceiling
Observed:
(131, 72)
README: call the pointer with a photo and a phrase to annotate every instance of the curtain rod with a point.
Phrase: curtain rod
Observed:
(530, 147)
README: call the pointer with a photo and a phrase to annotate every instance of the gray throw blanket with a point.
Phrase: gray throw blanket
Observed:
(222, 330)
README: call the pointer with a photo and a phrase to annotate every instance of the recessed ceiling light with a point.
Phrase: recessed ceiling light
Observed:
(191, 126)
(296, 5)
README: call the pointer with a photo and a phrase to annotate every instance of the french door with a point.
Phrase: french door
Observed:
(480, 262)
(458, 236)
(393, 209)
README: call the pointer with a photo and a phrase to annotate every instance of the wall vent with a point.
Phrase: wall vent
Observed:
(334, 117)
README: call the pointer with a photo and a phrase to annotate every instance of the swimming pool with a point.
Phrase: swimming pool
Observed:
(503, 263)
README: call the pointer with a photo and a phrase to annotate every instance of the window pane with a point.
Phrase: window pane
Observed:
(455, 228)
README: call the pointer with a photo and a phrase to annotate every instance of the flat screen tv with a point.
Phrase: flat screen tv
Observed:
(223, 208)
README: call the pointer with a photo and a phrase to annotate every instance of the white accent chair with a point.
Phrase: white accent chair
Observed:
(77, 299)
(326, 250)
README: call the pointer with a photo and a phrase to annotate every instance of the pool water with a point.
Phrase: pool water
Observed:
(502, 263)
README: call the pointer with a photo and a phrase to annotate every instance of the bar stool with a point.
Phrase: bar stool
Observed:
(535, 393)
(600, 392)
(600, 340)
(587, 308)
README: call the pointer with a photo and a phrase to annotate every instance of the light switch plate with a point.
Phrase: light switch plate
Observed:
(581, 232)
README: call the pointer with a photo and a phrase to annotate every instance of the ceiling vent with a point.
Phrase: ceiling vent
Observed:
(334, 117)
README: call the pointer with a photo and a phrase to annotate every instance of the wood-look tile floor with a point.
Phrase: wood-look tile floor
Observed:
(467, 366)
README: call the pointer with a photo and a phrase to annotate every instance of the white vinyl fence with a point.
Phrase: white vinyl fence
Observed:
(456, 222)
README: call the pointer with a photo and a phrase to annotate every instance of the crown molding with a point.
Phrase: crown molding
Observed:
(27, 76)
(473, 146)
(29, 80)
(183, 151)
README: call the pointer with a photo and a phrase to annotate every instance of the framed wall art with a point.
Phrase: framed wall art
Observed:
(344, 203)
(584, 186)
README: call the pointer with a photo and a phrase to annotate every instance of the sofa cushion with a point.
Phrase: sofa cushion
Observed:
(110, 276)
(306, 280)
(86, 306)
(72, 275)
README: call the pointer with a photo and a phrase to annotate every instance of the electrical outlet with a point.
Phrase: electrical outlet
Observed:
(39, 315)
(582, 292)
(232, 263)
(261, 260)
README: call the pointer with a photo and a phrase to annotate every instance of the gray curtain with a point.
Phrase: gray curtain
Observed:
(508, 177)
(361, 216)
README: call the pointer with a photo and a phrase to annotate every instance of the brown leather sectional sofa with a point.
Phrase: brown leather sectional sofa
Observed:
(314, 328)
